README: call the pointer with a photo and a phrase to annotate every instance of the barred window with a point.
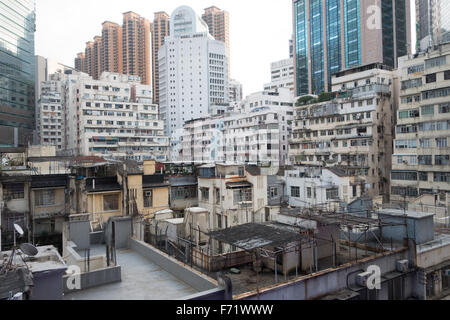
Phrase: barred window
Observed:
(148, 199)
(14, 191)
(111, 202)
(44, 198)
(242, 195)
(295, 192)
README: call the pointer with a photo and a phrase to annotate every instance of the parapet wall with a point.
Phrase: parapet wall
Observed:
(192, 277)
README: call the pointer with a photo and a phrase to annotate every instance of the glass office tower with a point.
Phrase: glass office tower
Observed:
(17, 69)
(333, 35)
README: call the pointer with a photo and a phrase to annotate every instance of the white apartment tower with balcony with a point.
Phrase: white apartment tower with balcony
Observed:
(50, 118)
(114, 118)
(421, 160)
(193, 71)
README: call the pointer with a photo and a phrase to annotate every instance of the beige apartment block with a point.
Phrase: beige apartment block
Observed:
(136, 47)
(353, 132)
(112, 47)
(218, 22)
(421, 160)
(160, 30)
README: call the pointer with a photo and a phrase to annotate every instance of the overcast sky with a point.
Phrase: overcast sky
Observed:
(259, 29)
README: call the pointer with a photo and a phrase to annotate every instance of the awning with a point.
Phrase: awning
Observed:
(239, 185)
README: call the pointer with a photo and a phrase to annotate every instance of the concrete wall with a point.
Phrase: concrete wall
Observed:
(192, 277)
(79, 234)
(325, 282)
(48, 285)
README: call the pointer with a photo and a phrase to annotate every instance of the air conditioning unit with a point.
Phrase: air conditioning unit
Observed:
(403, 266)
(362, 278)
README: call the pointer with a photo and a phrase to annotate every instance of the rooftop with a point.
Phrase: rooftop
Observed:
(141, 280)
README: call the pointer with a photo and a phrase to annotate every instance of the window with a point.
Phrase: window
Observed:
(444, 108)
(217, 196)
(413, 83)
(205, 194)
(242, 195)
(295, 192)
(404, 175)
(13, 191)
(430, 78)
(447, 75)
(406, 144)
(428, 110)
(309, 193)
(44, 198)
(441, 142)
(148, 199)
(273, 192)
(435, 62)
(111, 202)
(442, 177)
(426, 160)
(416, 68)
(442, 160)
(333, 194)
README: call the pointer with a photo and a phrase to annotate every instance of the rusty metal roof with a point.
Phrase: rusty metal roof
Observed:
(255, 235)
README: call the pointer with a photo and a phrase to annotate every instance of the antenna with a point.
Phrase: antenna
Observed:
(29, 249)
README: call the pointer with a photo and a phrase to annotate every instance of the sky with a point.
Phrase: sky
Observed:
(259, 30)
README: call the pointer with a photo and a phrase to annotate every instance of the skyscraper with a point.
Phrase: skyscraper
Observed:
(193, 78)
(433, 22)
(121, 49)
(111, 47)
(218, 22)
(333, 35)
(136, 47)
(80, 62)
(17, 69)
(160, 30)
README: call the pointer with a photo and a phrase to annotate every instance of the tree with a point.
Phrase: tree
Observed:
(304, 100)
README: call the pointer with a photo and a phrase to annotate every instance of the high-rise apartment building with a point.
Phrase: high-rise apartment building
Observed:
(193, 78)
(137, 47)
(160, 30)
(334, 35)
(282, 75)
(218, 22)
(353, 132)
(113, 117)
(47, 90)
(421, 161)
(51, 113)
(17, 75)
(80, 62)
(111, 47)
(93, 55)
(433, 22)
(255, 137)
(121, 49)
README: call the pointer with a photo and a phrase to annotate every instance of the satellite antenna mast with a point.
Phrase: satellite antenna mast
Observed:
(19, 230)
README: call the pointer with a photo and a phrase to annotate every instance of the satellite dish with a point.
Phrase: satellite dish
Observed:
(19, 229)
(29, 249)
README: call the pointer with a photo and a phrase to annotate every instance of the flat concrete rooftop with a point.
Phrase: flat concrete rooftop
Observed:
(141, 280)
